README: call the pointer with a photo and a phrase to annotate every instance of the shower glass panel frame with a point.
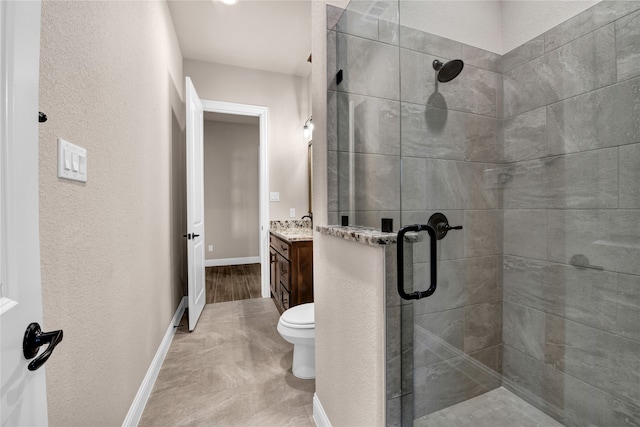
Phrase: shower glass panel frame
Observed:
(536, 153)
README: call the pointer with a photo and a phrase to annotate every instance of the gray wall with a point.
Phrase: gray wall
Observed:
(231, 190)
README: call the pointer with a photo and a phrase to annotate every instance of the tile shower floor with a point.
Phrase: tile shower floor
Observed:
(233, 370)
(497, 408)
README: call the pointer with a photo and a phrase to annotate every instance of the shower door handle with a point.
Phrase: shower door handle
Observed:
(434, 255)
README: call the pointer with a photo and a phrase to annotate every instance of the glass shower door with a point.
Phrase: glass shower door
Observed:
(364, 114)
(450, 156)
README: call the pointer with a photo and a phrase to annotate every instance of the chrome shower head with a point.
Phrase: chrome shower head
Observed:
(448, 71)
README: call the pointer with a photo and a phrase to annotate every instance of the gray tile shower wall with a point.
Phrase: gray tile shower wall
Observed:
(575, 68)
(378, 130)
(592, 19)
(571, 264)
(607, 117)
(369, 67)
(627, 38)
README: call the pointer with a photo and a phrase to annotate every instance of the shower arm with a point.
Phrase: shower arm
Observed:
(434, 254)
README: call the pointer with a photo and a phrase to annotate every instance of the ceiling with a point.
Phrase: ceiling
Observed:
(268, 35)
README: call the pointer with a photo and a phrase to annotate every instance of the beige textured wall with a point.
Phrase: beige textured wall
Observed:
(287, 99)
(231, 190)
(111, 252)
(349, 310)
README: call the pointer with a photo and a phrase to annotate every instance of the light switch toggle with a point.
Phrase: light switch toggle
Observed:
(67, 160)
(72, 161)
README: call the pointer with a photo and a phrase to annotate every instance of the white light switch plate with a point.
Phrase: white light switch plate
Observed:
(72, 161)
(274, 196)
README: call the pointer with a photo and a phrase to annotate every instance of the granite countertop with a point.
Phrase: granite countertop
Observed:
(302, 231)
(366, 235)
(292, 231)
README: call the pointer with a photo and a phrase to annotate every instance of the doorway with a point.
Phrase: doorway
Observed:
(236, 114)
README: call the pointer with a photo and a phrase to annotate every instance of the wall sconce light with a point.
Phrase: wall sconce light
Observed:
(308, 128)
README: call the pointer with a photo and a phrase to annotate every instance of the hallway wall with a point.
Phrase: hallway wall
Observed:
(231, 190)
(288, 103)
(111, 253)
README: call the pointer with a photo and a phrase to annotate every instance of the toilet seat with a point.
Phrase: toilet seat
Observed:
(299, 317)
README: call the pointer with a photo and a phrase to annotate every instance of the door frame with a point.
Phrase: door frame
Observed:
(262, 113)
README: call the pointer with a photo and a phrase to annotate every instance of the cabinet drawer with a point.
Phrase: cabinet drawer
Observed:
(280, 246)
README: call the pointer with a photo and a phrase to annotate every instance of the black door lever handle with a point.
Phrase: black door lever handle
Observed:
(194, 235)
(33, 339)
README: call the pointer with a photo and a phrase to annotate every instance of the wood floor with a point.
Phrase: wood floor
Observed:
(232, 283)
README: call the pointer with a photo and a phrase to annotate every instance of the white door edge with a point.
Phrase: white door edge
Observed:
(195, 203)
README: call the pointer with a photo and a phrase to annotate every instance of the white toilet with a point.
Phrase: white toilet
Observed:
(297, 326)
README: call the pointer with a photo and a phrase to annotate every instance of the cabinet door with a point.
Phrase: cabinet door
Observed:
(286, 299)
(284, 268)
(274, 279)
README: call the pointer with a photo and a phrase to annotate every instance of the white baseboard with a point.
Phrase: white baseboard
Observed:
(140, 401)
(231, 261)
(319, 416)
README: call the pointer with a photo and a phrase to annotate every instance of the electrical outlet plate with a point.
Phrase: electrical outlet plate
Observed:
(292, 212)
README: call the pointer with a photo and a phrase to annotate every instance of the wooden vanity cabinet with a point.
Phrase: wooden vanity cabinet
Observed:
(291, 272)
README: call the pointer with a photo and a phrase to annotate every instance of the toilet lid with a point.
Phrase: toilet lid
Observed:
(299, 315)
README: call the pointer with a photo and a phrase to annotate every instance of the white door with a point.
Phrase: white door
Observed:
(195, 204)
(24, 400)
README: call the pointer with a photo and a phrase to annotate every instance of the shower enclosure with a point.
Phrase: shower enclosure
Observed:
(534, 149)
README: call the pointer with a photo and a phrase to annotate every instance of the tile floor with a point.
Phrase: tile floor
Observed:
(497, 408)
(233, 370)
